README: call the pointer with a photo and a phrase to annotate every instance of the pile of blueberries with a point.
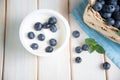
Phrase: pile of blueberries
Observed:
(85, 47)
(50, 24)
(109, 10)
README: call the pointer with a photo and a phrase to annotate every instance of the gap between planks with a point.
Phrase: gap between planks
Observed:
(106, 72)
(69, 45)
(71, 61)
(4, 38)
(37, 56)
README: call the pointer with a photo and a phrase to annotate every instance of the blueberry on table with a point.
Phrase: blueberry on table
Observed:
(38, 26)
(97, 6)
(41, 37)
(53, 28)
(34, 46)
(49, 49)
(76, 34)
(106, 65)
(78, 59)
(52, 20)
(46, 25)
(85, 47)
(78, 49)
(31, 35)
(110, 21)
(53, 42)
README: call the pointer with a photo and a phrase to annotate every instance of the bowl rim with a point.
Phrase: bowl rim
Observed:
(67, 31)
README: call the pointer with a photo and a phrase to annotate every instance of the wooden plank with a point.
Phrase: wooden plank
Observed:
(114, 72)
(2, 22)
(55, 67)
(90, 67)
(19, 64)
(57, 5)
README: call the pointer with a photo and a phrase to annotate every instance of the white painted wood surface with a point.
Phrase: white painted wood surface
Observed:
(19, 64)
(2, 24)
(55, 67)
(114, 72)
(90, 67)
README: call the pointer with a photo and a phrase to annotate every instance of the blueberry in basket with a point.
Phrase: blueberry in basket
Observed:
(104, 17)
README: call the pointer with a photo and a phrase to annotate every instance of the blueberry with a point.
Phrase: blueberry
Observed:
(97, 6)
(85, 47)
(106, 15)
(106, 65)
(117, 8)
(38, 26)
(34, 46)
(109, 8)
(46, 25)
(76, 34)
(53, 28)
(52, 20)
(102, 2)
(110, 21)
(78, 59)
(119, 2)
(49, 49)
(41, 37)
(31, 35)
(78, 49)
(117, 24)
(111, 2)
(53, 42)
(116, 15)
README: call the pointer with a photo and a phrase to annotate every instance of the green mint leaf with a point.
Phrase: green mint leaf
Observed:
(92, 49)
(100, 49)
(90, 41)
(118, 32)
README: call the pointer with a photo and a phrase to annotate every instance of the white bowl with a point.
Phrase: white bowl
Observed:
(42, 15)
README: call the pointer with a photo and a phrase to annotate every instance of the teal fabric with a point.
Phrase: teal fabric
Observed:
(112, 49)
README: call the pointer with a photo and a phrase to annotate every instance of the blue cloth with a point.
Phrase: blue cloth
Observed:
(112, 49)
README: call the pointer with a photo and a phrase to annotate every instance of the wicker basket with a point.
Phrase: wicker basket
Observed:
(94, 20)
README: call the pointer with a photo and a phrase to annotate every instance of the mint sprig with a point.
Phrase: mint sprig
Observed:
(94, 46)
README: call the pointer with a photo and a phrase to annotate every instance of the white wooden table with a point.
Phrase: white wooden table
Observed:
(18, 64)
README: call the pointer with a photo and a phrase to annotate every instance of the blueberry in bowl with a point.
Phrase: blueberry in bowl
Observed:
(104, 17)
(44, 31)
